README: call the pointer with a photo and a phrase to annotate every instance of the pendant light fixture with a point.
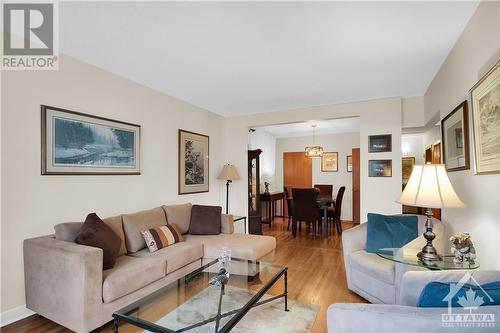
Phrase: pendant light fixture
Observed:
(314, 150)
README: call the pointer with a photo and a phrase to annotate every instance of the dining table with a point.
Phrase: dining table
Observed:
(323, 202)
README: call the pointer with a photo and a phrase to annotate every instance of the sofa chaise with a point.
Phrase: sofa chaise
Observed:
(65, 281)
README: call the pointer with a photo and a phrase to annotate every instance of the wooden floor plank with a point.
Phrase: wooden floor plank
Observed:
(316, 276)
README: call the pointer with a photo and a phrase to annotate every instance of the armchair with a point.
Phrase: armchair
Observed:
(374, 278)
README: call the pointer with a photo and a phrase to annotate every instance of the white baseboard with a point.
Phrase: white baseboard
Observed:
(14, 315)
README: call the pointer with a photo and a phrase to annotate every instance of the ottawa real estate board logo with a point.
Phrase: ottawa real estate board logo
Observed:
(464, 306)
(30, 39)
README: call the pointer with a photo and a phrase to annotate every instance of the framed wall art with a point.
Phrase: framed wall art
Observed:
(407, 164)
(193, 162)
(380, 168)
(329, 162)
(485, 103)
(349, 163)
(75, 143)
(380, 143)
(455, 139)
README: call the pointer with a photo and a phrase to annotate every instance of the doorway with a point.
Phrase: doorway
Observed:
(297, 171)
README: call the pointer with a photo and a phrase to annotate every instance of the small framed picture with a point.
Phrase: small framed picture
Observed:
(380, 168)
(349, 163)
(407, 164)
(380, 143)
(193, 162)
(329, 162)
(455, 137)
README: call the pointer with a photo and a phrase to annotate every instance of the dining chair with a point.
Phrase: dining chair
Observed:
(304, 208)
(324, 190)
(335, 212)
(289, 204)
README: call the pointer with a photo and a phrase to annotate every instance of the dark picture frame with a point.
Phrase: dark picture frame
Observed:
(349, 163)
(485, 105)
(327, 165)
(455, 139)
(76, 143)
(194, 162)
(380, 168)
(380, 143)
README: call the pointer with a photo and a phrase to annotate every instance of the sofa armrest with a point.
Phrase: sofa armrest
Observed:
(413, 283)
(353, 240)
(227, 224)
(63, 281)
(384, 318)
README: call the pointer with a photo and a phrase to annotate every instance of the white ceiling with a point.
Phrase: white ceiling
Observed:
(331, 126)
(237, 58)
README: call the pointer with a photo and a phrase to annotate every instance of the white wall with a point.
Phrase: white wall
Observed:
(413, 112)
(412, 145)
(32, 204)
(376, 117)
(341, 143)
(477, 50)
(261, 139)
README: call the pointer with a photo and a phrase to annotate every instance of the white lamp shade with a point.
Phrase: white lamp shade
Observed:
(229, 172)
(430, 187)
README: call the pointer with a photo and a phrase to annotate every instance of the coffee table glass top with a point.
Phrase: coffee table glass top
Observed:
(408, 256)
(191, 303)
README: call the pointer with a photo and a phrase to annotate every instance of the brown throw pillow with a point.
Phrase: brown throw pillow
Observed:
(96, 233)
(205, 220)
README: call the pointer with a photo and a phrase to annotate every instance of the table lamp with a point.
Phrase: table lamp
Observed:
(228, 173)
(429, 187)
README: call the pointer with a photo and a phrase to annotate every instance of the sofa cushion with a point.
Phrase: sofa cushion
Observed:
(390, 231)
(373, 265)
(68, 231)
(175, 256)
(130, 274)
(180, 215)
(96, 233)
(249, 247)
(134, 223)
(159, 237)
(437, 294)
(205, 220)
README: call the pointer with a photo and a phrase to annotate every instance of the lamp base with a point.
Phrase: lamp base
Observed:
(429, 252)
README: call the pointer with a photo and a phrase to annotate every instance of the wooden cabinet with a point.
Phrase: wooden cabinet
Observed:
(254, 204)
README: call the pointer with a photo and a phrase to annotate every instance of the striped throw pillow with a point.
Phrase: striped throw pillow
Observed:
(162, 236)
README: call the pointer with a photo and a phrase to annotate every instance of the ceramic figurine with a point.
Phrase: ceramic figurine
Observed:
(462, 248)
(266, 187)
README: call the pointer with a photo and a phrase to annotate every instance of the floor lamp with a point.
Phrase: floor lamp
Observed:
(228, 173)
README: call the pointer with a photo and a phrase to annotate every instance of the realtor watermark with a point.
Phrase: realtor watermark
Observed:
(30, 36)
(470, 315)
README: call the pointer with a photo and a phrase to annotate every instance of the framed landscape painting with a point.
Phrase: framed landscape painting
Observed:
(75, 143)
(485, 100)
(455, 138)
(329, 162)
(193, 162)
(380, 143)
(380, 168)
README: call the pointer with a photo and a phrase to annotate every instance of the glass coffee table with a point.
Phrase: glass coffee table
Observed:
(191, 303)
(408, 256)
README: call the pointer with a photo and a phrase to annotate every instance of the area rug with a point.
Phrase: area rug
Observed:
(270, 317)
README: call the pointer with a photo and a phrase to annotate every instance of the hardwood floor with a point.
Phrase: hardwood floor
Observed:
(316, 276)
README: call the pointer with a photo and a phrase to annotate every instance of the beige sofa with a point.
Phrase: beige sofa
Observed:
(65, 282)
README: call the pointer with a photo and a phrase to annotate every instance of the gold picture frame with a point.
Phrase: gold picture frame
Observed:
(485, 105)
(407, 164)
(194, 150)
(330, 161)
